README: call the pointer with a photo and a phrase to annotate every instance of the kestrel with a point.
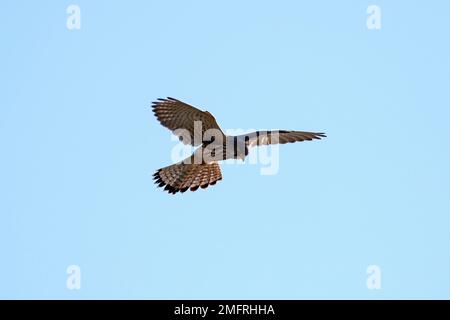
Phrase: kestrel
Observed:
(199, 128)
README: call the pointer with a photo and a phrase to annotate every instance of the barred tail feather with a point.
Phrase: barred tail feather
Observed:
(180, 177)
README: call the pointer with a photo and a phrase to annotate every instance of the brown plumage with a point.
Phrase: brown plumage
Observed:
(174, 114)
(190, 174)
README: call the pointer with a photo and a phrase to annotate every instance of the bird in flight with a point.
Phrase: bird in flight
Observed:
(199, 129)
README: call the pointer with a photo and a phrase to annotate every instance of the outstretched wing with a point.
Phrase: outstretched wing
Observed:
(278, 136)
(174, 114)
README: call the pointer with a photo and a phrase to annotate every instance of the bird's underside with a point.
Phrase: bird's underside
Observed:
(199, 128)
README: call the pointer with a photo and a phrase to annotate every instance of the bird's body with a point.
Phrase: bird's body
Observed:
(230, 147)
(199, 128)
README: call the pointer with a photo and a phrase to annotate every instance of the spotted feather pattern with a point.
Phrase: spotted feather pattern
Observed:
(174, 114)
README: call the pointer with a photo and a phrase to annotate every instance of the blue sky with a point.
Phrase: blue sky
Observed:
(80, 143)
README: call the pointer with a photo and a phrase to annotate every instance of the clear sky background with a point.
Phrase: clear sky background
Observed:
(79, 144)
